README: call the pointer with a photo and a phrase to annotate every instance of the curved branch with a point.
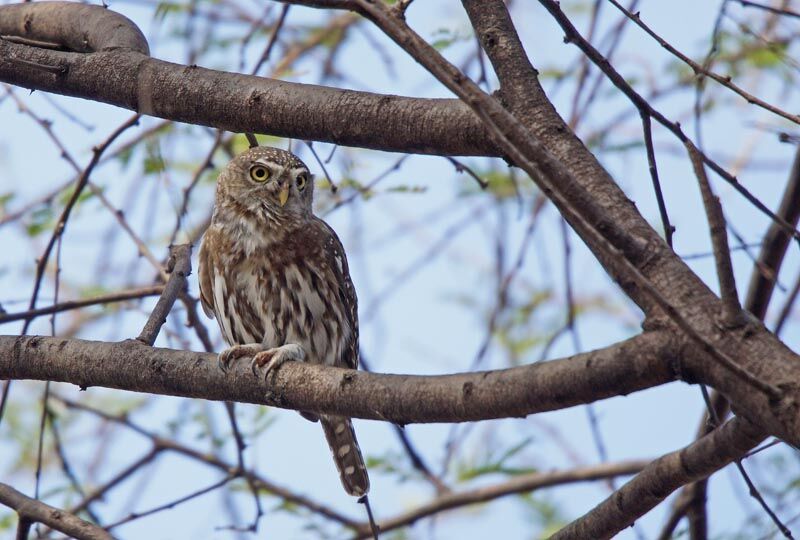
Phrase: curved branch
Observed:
(663, 476)
(641, 362)
(71, 26)
(119, 72)
(37, 511)
(520, 484)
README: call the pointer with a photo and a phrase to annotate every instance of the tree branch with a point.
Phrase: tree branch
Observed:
(123, 75)
(179, 266)
(640, 362)
(773, 249)
(662, 477)
(520, 484)
(104, 299)
(31, 510)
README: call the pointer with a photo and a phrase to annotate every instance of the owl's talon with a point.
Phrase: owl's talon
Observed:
(272, 359)
(227, 357)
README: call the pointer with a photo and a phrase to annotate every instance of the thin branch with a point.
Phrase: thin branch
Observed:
(725, 81)
(31, 510)
(778, 11)
(172, 504)
(273, 39)
(774, 246)
(732, 315)
(520, 484)
(647, 129)
(573, 36)
(217, 463)
(122, 296)
(179, 266)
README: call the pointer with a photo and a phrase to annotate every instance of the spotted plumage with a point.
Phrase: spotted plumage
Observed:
(276, 279)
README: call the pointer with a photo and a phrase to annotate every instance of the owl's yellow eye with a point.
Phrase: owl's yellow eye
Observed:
(301, 181)
(259, 173)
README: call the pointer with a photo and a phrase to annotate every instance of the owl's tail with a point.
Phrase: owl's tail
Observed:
(346, 454)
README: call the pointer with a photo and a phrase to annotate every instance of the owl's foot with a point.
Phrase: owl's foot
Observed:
(270, 360)
(226, 357)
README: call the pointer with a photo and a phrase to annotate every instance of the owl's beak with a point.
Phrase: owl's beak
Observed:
(283, 194)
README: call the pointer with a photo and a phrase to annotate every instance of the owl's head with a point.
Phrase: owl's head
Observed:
(267, 179)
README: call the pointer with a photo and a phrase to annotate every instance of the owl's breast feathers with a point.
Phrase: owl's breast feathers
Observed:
(290, 287)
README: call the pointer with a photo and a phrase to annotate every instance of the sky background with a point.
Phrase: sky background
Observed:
(422, 262)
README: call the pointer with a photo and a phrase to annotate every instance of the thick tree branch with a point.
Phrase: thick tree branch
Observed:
(641, 362)
(662, 477)
(123, 75)
(31, 510)
(71, 26)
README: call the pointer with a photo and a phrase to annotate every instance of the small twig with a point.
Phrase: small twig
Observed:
(725, 81)
(172, 504)
(179, 266)
(753, 490)
(372, 525)
(524, 483)
(786, 310)
(788, 13)
(416, 459)
(61, 224)
(216, 463)
(461, 168)
(251, 139)
(334, 187)
(731, 308)
(273, 39)
(198, 174)
(573, 36)
(240, 447)
(132, 294)
(669, 229)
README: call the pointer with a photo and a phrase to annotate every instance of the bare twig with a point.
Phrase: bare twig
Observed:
(122, 296)
(732, 310)
(525, 483)
(179, 266)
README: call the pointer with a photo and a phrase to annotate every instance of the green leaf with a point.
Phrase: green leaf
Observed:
(41, 220)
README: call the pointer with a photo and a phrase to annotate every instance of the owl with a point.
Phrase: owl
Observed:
(276, 279)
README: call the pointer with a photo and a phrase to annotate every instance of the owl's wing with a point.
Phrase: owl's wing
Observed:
(337, 261)
(205, 273)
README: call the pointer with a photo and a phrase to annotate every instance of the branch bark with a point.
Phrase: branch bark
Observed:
(641, 362)
(123, 75)
(32, 510)
(662, 477)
